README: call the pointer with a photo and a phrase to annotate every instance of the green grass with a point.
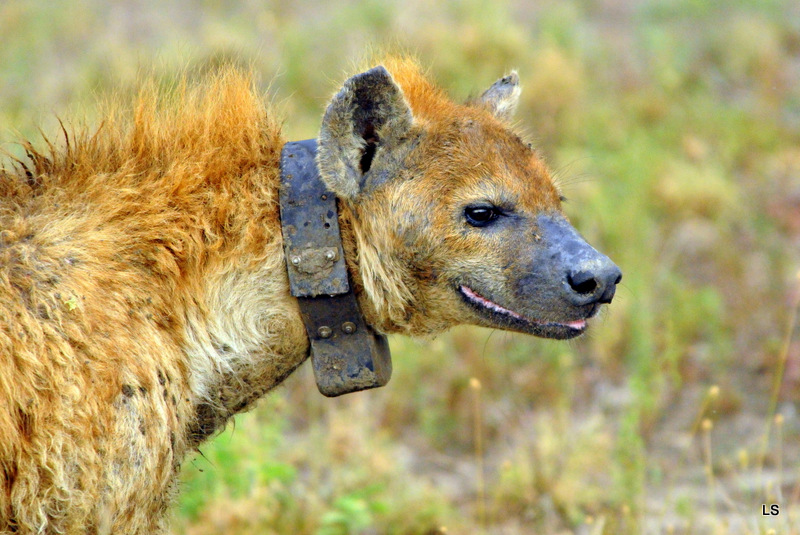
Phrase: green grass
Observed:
(674, 129)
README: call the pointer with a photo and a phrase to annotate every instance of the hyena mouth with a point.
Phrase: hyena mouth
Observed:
(499, 313)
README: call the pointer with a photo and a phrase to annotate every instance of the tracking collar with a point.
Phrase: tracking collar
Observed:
(347, 355)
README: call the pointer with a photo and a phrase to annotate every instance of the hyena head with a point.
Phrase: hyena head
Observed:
(455, 218)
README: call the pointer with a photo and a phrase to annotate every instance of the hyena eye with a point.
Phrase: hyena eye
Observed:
(481, 215)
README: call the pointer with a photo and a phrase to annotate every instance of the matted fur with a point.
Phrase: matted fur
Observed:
(141, 277)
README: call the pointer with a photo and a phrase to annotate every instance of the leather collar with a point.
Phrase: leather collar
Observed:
(347, 355)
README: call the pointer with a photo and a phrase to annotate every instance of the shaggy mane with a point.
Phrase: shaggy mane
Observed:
(164, 157)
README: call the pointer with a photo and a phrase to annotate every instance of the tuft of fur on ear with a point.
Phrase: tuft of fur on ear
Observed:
(367, 117)
(502, 98)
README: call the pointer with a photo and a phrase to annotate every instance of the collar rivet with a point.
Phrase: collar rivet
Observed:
(348, 327)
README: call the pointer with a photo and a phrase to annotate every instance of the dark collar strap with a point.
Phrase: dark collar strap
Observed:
(346, 353)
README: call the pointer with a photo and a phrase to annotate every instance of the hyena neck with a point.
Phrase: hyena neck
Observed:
(246, 335)
(380, 282)
(392, 297)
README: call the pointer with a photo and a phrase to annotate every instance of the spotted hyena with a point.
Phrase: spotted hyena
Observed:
(144, 296)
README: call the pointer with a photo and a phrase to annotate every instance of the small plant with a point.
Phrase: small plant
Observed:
(350, 515)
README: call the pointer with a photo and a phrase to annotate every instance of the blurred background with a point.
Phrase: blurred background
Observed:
(673, 127)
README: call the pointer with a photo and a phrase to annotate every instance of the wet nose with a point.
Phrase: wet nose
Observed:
(595, 283)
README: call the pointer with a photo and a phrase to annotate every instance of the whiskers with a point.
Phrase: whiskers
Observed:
(572, 174)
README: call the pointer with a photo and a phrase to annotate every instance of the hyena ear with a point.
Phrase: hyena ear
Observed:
(365, 121)
(502, 98)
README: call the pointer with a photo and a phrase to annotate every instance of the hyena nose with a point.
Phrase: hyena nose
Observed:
(586, 276)
(594, 284)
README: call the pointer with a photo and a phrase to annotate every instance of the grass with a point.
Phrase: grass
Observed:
(673, 127)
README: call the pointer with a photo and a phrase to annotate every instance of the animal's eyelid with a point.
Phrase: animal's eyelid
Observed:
(501, 207)
(506, 207)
